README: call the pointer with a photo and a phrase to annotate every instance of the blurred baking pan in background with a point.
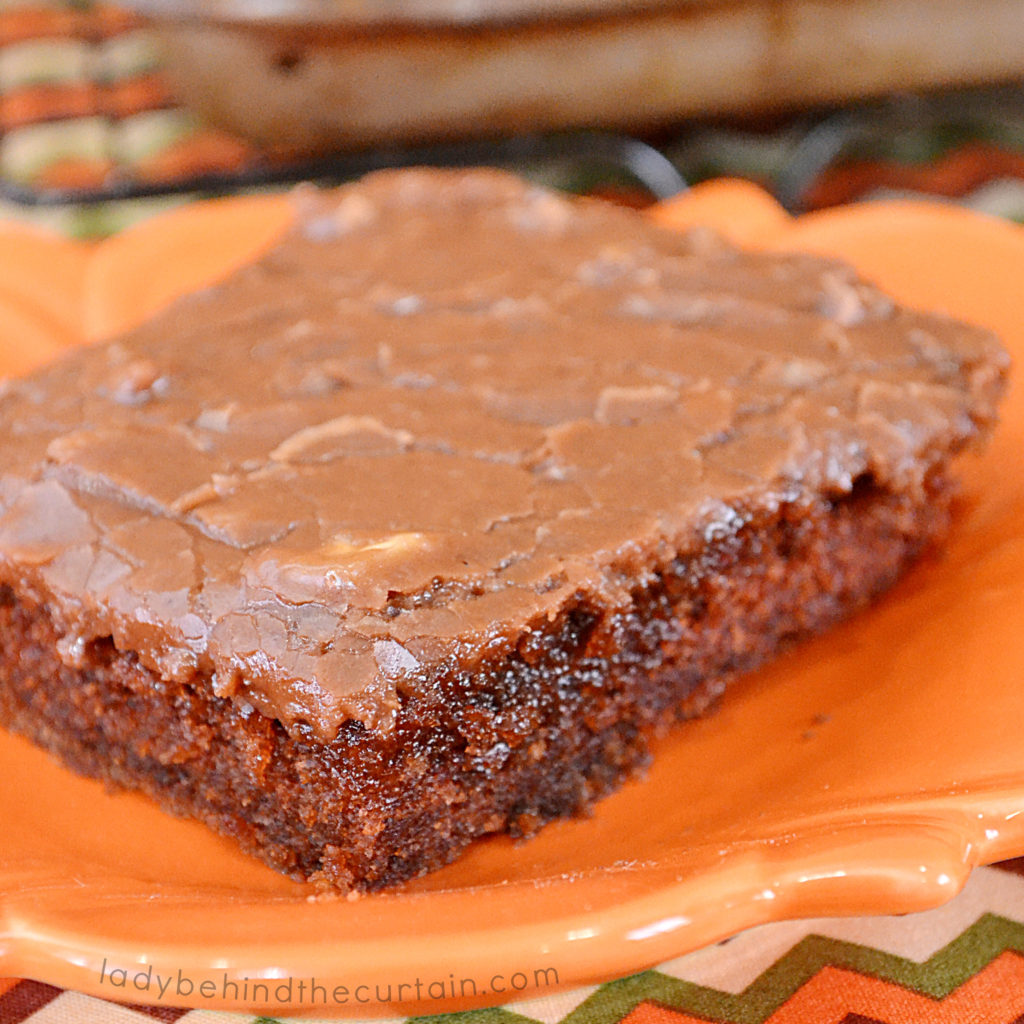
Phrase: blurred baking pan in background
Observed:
(319, 74)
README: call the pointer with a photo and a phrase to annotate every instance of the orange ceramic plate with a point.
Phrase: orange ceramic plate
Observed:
(867, 772)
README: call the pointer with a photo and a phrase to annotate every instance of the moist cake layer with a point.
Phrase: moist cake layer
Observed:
(534, 733)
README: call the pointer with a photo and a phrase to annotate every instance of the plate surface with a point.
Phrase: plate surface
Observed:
(866, 772)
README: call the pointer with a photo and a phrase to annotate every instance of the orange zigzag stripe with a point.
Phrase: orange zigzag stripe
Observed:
(995, 995)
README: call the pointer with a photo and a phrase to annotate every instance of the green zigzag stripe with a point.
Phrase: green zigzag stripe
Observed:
(493, 1015)
(946, 970)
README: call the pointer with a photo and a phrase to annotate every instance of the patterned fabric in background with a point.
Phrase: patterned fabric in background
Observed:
(85, 109)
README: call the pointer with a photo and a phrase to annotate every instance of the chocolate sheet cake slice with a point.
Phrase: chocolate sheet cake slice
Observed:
(418, 528)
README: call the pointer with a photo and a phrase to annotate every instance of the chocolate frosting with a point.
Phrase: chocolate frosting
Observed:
(446, 406)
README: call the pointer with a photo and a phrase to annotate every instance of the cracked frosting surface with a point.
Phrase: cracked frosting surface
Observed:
(443, 408)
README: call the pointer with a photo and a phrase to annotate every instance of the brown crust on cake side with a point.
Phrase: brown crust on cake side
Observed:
(530, 734)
